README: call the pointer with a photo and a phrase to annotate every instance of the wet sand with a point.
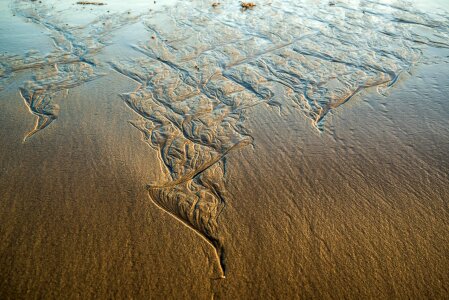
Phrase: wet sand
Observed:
(192, 151)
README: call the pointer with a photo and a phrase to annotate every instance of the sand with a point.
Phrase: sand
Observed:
(188, 150)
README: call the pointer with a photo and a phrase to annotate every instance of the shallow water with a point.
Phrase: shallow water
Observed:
(195, 73)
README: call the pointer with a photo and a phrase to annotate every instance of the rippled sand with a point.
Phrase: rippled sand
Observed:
(294, 149)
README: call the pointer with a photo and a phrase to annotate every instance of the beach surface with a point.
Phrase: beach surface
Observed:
(198, 149)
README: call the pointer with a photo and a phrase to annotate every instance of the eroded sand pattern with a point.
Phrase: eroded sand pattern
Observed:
(205, 68)
(71, 64)
(202, 67)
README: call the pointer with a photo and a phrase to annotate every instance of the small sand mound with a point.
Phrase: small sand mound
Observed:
(247, 5)
(90, 3)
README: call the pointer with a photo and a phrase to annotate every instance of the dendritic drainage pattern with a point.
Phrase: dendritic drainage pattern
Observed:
(204, 66)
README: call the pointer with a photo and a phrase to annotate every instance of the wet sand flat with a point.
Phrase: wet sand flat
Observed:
(287, 149)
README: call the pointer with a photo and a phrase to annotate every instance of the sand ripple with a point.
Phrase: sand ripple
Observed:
(202, 67)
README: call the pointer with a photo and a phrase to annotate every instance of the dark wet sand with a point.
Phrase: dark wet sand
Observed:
(366, 216)
(357, 210)
(76, 219)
